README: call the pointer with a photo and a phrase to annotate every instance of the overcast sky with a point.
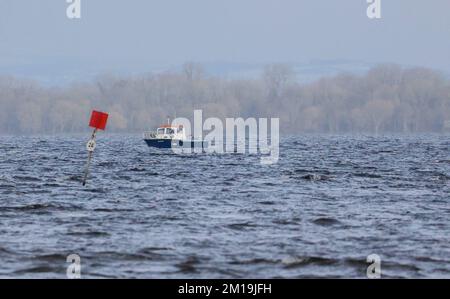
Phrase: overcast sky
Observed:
(158, 33)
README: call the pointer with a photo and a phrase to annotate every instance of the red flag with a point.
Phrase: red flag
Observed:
(98, 120)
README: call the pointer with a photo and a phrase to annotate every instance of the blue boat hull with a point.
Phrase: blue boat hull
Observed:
(172, 143)
(159, 143)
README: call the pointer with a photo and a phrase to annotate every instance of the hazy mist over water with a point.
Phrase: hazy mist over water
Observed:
(132, 37)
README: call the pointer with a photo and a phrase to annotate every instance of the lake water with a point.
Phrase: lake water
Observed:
(326, 205)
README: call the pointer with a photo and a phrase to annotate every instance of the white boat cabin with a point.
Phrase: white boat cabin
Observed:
(168, 132)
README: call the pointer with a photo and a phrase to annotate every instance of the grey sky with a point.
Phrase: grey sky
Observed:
(137, 33)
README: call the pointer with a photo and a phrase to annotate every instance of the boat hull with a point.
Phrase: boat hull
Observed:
(159, 143)
(173, 143)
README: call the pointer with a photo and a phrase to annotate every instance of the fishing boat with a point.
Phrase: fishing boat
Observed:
(171, 136)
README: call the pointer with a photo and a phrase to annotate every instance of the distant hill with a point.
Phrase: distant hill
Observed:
(60, 72)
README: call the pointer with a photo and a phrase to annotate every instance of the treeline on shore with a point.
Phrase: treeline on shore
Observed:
(388, 98)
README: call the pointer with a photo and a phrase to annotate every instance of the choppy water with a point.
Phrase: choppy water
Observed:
(319, 212)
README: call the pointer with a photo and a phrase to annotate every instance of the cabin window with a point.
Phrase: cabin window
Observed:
(170, 131)
(160, 131)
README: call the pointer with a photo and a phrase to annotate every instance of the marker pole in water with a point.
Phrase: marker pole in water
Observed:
(98, 122)
(90, 146)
